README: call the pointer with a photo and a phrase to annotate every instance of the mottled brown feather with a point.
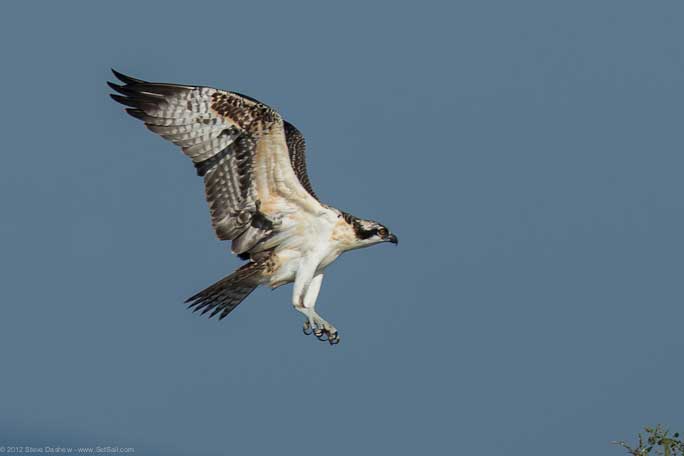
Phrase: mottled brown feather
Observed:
(222, 133)
(296, 147)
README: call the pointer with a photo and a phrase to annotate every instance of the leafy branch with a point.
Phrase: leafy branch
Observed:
(658, 439)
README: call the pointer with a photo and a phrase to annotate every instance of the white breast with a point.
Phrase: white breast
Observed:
(304, 236)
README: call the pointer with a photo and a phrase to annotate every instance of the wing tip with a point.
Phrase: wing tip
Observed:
(123, 100)
(123, 90)
(137, 113)
(125, 78)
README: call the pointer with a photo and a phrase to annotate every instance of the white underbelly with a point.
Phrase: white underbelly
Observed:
(288, 263)
(303, 239)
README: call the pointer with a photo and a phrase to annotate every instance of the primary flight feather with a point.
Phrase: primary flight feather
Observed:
(258, 191)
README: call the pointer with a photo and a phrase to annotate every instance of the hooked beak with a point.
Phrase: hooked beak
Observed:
(393, 239)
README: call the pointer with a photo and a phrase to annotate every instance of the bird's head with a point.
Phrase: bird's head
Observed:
(369, 232)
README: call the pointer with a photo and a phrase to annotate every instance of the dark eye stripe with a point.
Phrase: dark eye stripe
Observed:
(362, 233)
(365, 234)
(369, 233)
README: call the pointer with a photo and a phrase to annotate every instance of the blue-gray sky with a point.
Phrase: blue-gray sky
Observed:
(528, 155)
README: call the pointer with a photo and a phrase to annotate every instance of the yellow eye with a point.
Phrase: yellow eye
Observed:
(382, 232)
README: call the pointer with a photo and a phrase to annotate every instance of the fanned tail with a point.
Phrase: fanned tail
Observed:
(225, 295)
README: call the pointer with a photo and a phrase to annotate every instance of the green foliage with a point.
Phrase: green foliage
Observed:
(656, 442)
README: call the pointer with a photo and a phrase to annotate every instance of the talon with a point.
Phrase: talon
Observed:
(318, 332)
(323, 336)
(334, 339)
(307, 328)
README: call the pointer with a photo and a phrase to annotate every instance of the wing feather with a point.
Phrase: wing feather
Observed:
(253, 164)
(296, 147)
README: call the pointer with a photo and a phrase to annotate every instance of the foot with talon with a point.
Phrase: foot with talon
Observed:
(324, 331)
(334, 338)
(321, 334)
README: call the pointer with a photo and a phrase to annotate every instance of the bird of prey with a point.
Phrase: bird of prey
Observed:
(258, 191)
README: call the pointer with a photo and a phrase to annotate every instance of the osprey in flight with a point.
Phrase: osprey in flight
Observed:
(258, 192)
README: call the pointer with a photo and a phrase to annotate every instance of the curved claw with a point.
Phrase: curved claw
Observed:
(307, 328)
(321, 335)
(334, 339)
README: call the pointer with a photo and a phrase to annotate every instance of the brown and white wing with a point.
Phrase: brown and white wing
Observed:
(296, 147)
(236, 143)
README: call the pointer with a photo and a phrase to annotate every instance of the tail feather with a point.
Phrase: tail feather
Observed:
(225, 295)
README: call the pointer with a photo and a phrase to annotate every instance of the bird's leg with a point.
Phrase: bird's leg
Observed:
(307, 327)
(323, 330)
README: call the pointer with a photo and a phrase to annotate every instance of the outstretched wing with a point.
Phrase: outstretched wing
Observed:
(297, 150)
(236, 143)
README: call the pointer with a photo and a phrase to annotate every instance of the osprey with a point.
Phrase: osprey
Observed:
(258, 191)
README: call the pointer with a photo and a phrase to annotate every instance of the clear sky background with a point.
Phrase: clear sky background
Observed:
(528, 154)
